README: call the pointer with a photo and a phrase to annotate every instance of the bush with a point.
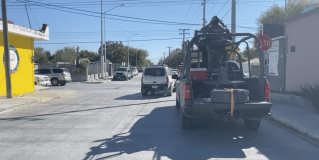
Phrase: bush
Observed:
(312, 93)
(80, 69)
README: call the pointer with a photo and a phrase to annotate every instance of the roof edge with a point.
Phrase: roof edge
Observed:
(313, 11)
(42, 34)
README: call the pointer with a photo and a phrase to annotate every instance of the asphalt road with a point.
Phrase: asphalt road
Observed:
(113, 121)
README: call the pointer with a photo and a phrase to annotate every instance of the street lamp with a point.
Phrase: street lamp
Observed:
(128, 48)
(103, 33)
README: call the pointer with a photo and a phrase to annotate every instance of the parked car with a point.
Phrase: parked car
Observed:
(122, 73)
(57, 75)
(157, 80)
(134, 71)
(175, 72)
(41, 80)
(140, 69)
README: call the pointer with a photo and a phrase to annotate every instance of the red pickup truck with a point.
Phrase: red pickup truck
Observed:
(213, 86)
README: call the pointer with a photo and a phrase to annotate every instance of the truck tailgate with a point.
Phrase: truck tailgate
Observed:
(204, 106)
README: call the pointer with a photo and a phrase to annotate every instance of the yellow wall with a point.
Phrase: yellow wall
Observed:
(23, 79)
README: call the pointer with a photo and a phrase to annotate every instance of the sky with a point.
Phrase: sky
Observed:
(152, 25)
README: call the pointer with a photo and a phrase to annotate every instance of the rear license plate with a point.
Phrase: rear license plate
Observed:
(154, 86)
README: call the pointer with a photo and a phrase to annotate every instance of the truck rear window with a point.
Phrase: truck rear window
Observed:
(154, 72)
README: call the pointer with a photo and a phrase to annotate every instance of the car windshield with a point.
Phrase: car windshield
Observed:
(174, 72)
(121, 69)
(154, 72)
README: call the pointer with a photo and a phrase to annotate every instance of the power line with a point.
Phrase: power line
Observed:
(97, 42)
(58, 7)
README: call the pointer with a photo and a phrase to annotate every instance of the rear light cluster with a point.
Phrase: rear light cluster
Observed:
(187, 92)
(267, 91)
(167, 80)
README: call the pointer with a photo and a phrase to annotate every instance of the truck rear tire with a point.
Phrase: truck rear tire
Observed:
(178, 105)
(144, 94)
(169, 91)
(186, 122)
(252, 124)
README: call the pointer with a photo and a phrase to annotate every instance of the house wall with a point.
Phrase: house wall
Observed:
(303, 64)
(23, 79)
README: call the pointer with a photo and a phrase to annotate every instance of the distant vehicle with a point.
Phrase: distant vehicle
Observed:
(134, 71)
(175, 72)
(122, 73)
(157, 80)
(140, 69)
(58, 76)
(41, 80)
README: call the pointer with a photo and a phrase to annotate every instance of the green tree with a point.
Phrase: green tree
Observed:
(278, 15)
(138, 54)
(41, 55)
(67, 54)
(116, 52)
(174, 59)
(252, 53)
(92, 56)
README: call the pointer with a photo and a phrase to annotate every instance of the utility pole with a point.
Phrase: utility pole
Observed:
(77, 55)
(233, 18)
(6, 48)
(136, 59)
(204, 12)
(164, 58)
(104, 34)
(169, 50)
(102, 48)
(183, 33)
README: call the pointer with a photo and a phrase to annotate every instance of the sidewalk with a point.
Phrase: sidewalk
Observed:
(41, 94)
(97, 81)
(297, 114)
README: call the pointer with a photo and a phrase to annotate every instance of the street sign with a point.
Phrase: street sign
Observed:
(265, 41)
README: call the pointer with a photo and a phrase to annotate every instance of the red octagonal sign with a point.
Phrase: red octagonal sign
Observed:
(265, 41)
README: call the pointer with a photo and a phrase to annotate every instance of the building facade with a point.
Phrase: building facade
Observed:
(21, 50)
(302, 60)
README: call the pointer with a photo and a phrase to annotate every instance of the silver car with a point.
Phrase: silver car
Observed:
(58, 76)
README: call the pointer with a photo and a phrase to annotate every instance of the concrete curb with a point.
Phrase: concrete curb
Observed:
(32, 100)
(96, 82)
(17, 106)
(300, 131)
(293, 100)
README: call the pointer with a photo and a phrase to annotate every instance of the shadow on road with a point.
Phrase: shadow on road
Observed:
(160, 132)
(32, 117)
(138, 96)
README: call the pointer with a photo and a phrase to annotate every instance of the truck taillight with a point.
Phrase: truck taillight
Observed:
(267, 91)
(187, 92)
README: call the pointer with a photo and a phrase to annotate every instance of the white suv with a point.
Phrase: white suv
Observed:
(57, 75)
(157, 80)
